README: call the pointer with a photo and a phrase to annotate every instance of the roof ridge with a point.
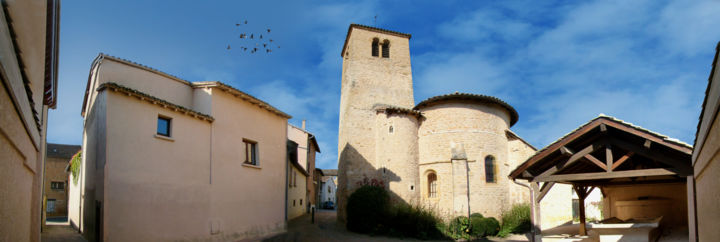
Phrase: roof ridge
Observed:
(514, 116)
(142, 66)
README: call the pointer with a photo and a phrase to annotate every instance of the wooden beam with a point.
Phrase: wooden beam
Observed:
(535, 212)
(581, 192)
(608, 158)
(682, 168)
(622, 160)
(565, 151)
(645, 135)
(596, 162)
(605, 175)
(544, 190)
(574, 158)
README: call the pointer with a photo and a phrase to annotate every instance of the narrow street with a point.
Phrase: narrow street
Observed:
(60, 232)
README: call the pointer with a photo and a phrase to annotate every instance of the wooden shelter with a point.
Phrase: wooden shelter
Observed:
(606, 153)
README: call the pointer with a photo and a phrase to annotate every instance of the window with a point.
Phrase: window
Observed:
(329, 190)
(386, 49)
(294, 179)
(375, 46)
(300, 202)
(432, 185)
(293, 203)
(251, 152)
(50, 205)
(57, 185)
(490, 169)
(163, 126)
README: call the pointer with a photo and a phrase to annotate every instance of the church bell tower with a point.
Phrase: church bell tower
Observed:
(376, 71)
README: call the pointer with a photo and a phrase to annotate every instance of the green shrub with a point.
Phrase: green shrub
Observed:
(367, 208)
(413, 221)
(516, 220)
(476, 215)
(460, 228)
(482, 227)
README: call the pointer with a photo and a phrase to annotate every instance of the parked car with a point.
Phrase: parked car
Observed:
(328, 205)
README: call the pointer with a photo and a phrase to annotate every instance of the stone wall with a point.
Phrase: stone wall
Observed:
(366, 81)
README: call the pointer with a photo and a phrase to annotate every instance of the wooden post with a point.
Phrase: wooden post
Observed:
(582, 193)
(535, 212)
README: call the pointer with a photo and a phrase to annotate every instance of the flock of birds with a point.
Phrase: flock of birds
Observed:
(254, 42)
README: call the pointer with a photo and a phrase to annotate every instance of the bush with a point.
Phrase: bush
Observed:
(413, 221)
(460, 228)
(367, 208)
(482, 227)
(516, 220)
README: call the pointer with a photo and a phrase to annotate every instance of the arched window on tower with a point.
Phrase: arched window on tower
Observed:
(375, 47)
(386, 49)
(432, 185)
(490, 169)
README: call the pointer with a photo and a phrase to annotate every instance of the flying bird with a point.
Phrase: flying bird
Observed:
(251, 36)
(237, 24)
(245, 21)
(228, 47)
(265, 45)
(268, 30)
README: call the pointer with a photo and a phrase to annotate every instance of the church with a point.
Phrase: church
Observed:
(450, 153)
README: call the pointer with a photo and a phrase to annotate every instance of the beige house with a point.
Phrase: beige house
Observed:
(29, 34)
(704, 187)
(302, 146)
(451, 152)
(166, 159)
(328, 188)
(56, 179)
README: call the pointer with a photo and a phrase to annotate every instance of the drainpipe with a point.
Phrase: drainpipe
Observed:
(532, 213)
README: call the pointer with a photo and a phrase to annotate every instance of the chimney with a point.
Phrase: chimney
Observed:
(303, 124)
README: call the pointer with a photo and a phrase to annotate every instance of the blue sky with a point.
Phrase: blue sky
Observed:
(559, 63)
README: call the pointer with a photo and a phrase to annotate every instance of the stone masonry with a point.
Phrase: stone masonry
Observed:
(384, 136)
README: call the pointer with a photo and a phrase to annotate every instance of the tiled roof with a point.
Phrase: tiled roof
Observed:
(395, 109)
(242, 95)
(220, 85)
(374, 29)
(330, 172)
(61, 150)
(154, 100)
(606, 117)
(470, 97)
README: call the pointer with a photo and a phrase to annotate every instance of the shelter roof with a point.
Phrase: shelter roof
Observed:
(369, 28)
(627, 150)
(469, 97)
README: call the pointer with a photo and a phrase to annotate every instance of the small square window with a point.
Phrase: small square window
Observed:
(163, 126)
(251, 152)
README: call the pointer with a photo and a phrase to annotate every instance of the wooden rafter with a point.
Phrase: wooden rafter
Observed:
(605, 175)
(544, 190)
(682, 169)
(573, 158)
(596, 161)
(622, 160)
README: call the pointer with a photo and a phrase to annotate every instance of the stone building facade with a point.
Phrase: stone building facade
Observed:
(56, 178)
(449, 152)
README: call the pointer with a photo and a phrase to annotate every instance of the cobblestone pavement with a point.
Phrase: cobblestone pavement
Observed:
(60, 233)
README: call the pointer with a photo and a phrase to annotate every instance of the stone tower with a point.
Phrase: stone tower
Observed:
(376, 76)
